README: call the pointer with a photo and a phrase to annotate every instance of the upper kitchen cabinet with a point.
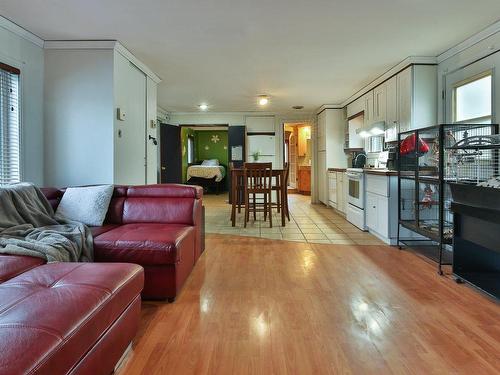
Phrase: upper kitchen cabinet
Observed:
(260, 124)
(411, 98)
(379, 103)
(304, 134)
(356, 107)
(368, 108)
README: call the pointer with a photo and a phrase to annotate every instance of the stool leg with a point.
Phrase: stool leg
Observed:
(270, 211)
(278, 201)
(254, 208)
(247, 213)
(265, 207)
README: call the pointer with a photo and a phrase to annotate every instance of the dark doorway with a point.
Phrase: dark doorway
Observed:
(170, 154)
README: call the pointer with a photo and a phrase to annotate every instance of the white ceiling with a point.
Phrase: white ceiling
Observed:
(226, 52)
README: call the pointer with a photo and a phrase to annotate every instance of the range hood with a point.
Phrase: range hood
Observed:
(376, 128)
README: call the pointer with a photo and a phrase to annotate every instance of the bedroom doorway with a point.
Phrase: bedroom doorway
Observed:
(297, 153)
(204, 156)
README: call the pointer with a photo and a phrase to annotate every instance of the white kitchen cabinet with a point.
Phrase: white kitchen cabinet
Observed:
(405, 99)
(368, 108)
(260, 124)
(392, 117)
(332, 189)
(341, 200)
(411, 100)
(330, 140)
(321, 133)
(379, 103)
(355, 124)
(322, 178)
(356, 107)
(381, 208)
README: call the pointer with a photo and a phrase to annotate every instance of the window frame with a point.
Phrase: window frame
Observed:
(14, 67)
(456, 85)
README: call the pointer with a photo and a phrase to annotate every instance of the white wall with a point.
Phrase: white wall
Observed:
(78, 117)
(28, 57)
(238, 118)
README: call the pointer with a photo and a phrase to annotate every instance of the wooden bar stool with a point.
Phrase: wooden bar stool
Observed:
(258, 181)
(281, 188)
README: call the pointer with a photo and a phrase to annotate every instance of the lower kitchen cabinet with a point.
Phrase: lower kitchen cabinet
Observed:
(381, 207)
(341, 192)
(304, 180)
(332, 189)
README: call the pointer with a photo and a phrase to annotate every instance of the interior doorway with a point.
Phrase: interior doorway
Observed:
(297, 153)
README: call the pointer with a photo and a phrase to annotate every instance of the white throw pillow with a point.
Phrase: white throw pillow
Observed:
(88, 205)
(210, 163)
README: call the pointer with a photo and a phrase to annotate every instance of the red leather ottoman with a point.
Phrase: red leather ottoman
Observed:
(164, 250)
(75, 318)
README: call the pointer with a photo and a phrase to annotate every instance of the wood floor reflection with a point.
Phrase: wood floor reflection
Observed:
(260, 306)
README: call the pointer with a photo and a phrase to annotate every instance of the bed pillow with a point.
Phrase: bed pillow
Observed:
(88, 205)
(210, 163)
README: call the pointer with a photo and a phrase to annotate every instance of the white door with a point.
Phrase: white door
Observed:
(469, 74)
(130, 134)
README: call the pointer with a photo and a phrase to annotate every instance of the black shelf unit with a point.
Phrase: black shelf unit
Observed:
(422, 193)
(429, 160)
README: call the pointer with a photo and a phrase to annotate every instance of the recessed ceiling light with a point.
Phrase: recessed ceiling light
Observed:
(263, 100)
(203, 106)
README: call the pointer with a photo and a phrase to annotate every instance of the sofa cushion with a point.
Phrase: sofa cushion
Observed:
(158, 210)
(13, 265)
(53, 314)
(96, 231)
(144, 244)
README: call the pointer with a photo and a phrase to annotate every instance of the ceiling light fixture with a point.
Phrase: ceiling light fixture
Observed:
(203, 106)
(263, 99)
(298, 107)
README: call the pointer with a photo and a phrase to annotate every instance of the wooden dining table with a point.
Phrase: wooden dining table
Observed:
(237, 180)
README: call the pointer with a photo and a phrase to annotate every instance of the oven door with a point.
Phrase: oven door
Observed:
(355, 189)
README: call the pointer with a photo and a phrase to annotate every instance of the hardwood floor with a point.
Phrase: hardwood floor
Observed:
(260, 306)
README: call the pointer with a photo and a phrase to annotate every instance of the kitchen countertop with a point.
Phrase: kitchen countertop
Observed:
(336, 169)
(381, 172)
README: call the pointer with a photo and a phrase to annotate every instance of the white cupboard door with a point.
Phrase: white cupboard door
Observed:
(340, 192)
(322, 131)
(379, 103)
(260, 124)
(371, 211)
(368, 108)
(405, 98)
(322, 174)
(383, 216)
(391, 130)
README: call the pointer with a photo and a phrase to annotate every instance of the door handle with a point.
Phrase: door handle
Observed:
(163, 168)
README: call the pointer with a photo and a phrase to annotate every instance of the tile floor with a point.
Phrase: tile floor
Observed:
(308, 223)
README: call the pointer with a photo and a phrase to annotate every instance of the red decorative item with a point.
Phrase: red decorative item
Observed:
(408, 146)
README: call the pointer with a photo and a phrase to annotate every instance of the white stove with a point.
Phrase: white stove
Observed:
(355, 211)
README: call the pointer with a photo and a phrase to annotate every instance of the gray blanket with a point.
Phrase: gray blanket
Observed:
(28, 226)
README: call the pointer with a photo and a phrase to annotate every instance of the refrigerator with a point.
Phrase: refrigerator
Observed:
(265, 145)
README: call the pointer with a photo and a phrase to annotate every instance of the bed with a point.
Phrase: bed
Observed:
(208, 174)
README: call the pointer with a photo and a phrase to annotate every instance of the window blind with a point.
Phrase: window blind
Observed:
(10, 171)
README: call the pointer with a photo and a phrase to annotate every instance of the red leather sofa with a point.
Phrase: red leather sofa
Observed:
(66, 318)
(156, 226)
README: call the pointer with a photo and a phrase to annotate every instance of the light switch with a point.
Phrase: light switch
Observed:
(120, 114)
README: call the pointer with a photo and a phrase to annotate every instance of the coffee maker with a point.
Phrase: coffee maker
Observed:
(392, 158)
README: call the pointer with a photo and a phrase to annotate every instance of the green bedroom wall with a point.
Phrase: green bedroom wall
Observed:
(206, 148)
